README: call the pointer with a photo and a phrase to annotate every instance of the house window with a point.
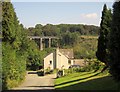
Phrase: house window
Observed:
(69, 61)
(50, 62)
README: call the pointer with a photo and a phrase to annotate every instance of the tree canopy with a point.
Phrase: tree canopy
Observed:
(114, 42)
(105, 28)
(18, 52)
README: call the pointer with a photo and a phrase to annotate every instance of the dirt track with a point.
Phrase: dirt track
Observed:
(35, 82)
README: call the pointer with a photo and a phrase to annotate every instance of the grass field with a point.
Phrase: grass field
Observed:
(88, 37)
(86, 81)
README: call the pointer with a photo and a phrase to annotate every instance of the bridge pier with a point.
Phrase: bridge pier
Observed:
(49, 42)
(41, 44)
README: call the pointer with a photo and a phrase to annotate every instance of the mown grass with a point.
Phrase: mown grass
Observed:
(86, 81)
(89, 36)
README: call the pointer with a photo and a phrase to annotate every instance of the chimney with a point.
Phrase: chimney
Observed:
(56, 57)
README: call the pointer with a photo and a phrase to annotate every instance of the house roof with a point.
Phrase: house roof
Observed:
(80, 62)
(67, 52)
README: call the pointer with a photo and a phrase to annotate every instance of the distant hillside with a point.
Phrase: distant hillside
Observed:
(82, 38)
(86, 47)
(58, 30)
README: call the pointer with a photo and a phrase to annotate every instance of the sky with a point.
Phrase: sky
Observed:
(32, 13)
(62, 0)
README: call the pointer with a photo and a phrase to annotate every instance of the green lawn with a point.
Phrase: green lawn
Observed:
(86, 81)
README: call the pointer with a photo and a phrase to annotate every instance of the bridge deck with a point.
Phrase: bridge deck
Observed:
(43, 37)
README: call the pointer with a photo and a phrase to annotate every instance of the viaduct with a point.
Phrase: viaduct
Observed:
(43, 38)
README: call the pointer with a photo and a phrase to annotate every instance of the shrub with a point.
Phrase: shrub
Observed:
(13, 66)
(48, 71)
(94, 65)
(71, 70)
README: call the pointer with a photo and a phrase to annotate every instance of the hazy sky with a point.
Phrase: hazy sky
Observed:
(62, 0)
(32, 13)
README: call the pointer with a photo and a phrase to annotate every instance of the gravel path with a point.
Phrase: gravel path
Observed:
(35, 82)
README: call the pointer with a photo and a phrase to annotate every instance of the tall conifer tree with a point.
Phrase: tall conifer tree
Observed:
(13, 59)
(10, 22)
(114, 45)
(103, 36)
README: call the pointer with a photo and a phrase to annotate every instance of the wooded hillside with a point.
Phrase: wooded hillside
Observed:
(82, 38)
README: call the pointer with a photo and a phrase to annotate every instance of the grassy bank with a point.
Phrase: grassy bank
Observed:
(86, 81)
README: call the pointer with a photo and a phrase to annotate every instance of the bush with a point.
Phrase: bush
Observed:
(94, 65)
(13, 66)
(48, 71)
(71, 70)
(34, 57)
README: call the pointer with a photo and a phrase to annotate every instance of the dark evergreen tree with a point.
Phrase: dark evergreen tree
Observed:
(13, 59)
(114, 45)
(8, 22)
(103, 36)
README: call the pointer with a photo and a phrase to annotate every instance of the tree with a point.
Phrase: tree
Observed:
(69, 38)
(50, 30)
(9, 22)
(103, 36)
(13, 58)
(38, 26)
(114, 43)
(34, 56)
(38, 30)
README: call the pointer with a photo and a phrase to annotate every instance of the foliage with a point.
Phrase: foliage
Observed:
(69, 39)
(48, 71)
(68, 33)
(81, 29)
(10, 24)
(38, 31)
(18, 51)
(105, 28)
(13, 66)
(50, 30)
(93, 65)
(114, 43)
(35, 57)
(49, 50)
(13, 57)
(85, 48)
(72, 70)
(59, 30)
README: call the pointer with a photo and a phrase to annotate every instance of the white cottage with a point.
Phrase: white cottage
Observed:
(59, 59)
